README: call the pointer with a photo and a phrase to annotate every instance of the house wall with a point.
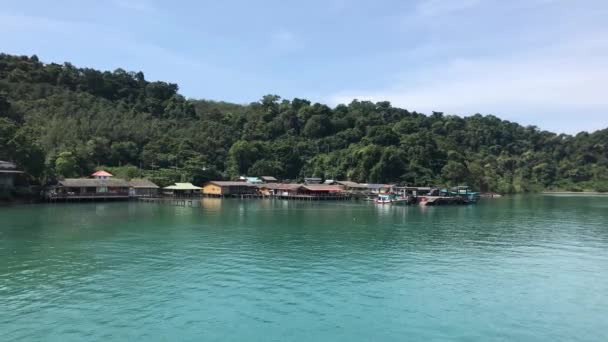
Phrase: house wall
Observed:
(212, 189)
(144, 192)
(265, 191)
(242, 190)
(294, 192)
(216, 190)
(7, 181)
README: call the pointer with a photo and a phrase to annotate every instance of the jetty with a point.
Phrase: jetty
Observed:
(102, 186)
(176, 201)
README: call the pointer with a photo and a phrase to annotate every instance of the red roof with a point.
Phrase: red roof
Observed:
(102, 173)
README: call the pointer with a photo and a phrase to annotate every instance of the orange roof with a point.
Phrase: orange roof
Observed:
(102, 173)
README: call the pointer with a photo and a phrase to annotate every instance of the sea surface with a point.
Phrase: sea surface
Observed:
(528, 268)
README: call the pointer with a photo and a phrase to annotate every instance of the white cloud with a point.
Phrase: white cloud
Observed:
(548, 83)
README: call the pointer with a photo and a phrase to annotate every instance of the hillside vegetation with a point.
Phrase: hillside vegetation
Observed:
(61, 121)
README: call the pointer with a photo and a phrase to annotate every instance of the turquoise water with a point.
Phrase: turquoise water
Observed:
(519, 269)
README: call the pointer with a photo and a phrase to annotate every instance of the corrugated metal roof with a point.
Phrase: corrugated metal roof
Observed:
(10, 171)
(351, 184)
(423, 188)
(281, 186)
(142, 184)
(182, 186)
(93, 183)
(268, 179)
(6, 165)
(231, 183)
(312, 180)
(377, 186)
(321, 187)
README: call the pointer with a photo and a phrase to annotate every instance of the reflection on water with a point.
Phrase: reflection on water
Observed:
(515, 268)
(211, 204)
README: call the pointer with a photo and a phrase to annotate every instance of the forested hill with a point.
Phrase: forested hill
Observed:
(60, 121)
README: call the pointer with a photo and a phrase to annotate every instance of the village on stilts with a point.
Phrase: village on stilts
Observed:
(102, 185)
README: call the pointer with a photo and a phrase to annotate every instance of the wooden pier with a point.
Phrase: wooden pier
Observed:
(175, 201)
(88, 197)
(195, 200)
(296, 197)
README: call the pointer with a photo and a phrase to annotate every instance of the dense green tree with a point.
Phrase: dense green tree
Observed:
(8, 128)
(132, 126)
(317, 126)
(242, 155)
(124, 152)
(66, 165)
(391, 166)
(264, 167)
(125, 172)
(382, 135)
(454, 172)
(98, 150)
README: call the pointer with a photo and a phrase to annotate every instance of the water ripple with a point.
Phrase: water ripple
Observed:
(275, 271)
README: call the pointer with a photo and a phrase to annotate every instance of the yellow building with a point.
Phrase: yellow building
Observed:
(219, 188)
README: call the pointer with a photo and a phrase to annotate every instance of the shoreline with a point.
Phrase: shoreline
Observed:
(22, 201)
(574, 193)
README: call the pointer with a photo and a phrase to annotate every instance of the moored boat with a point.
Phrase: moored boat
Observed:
(428, 196)
(392, 199)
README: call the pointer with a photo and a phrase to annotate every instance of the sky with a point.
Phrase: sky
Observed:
(536, 62)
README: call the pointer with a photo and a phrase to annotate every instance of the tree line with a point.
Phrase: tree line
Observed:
(57, 120)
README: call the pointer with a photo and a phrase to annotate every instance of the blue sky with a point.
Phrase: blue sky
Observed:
(537, 62)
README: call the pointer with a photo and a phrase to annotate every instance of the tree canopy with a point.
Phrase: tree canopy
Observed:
(58, 120)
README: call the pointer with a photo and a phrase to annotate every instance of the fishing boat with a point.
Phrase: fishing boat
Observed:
(392, 199)
(439, 200)
(468, 196)
(457, 195)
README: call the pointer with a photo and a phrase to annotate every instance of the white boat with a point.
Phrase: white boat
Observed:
(391, 199)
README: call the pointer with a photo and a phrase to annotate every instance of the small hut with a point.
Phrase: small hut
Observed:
(182, 190)
(142, 188)
(102, 186)
(8, 171)
(269, 179)
(221, 188)
(322, 190)
(279, 189)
